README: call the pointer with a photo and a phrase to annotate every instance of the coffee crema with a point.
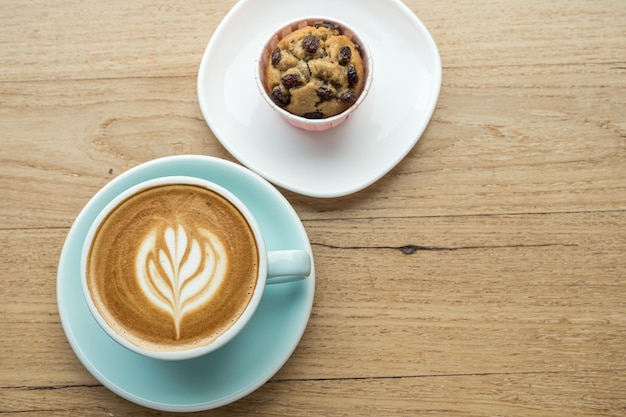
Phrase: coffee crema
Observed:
(173, 267)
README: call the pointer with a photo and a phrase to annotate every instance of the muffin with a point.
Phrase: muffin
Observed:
(314, 69)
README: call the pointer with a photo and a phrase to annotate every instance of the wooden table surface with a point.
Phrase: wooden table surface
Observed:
(485, 275)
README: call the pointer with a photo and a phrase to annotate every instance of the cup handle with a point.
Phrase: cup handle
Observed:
(287, 266)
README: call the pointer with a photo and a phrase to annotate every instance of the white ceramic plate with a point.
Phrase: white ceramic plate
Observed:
(348, 158)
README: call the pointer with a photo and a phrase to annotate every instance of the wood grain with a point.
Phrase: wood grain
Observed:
(489, 158)
(574, 394)
(61, 40)
(483, 276)
(466, 295)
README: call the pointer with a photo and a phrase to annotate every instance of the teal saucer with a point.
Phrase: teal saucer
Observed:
(229, 373)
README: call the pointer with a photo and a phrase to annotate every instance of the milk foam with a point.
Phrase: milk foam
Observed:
(179, 270)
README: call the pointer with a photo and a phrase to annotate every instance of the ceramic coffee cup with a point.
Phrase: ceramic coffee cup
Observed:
(174, 267)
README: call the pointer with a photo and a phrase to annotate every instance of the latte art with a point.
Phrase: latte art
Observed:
(180, 271)
(172, 267)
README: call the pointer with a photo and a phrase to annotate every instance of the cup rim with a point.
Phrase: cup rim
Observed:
(300, 121)
(223, 338)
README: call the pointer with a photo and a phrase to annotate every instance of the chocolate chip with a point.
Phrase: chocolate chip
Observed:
(276, 57)
(348, 97)
(353, 77)
(314, 115)
(329, 25)
(345, 53)
(325, 93)
(310, 44)
(280, 97)
(291, 80)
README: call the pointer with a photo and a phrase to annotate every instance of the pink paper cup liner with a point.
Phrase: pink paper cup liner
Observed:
(312, 125)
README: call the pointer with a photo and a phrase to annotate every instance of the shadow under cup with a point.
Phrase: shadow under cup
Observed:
(176, 255)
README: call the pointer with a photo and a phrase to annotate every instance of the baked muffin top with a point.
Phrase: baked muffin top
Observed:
(315, 72)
